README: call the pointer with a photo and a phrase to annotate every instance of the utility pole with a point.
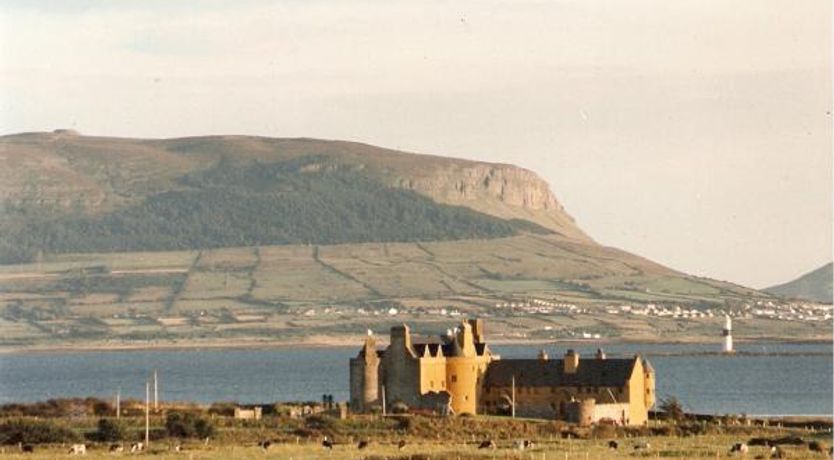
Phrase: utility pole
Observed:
(119, 403)
(147, 413)
(513, 401)
(383, 400)
(155, 391)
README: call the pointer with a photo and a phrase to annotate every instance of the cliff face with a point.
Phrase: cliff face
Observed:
(501, 190)
(67, 172)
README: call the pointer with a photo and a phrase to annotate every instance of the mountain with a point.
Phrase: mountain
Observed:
(816, 286)
(62, 192)
(228, 237)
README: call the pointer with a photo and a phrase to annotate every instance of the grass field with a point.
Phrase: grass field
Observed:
(254, 293)
(398, 437)
(703, 447)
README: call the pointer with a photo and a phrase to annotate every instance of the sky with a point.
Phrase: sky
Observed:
(697, 133)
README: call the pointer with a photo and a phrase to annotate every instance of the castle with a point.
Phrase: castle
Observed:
(458, 374)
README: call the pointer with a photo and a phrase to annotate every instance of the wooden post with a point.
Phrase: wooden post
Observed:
(119, 403)
(147, 413)
(513, 396)
(155, 391)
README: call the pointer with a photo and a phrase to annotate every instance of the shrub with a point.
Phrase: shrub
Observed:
(672, 409)
(63, 407)
(35, 432)
(604, 431)
(110, 430)
(320, 422)
(188, 425)
(223, 408)
(399, 407)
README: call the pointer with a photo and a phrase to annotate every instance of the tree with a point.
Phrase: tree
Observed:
(110, 430)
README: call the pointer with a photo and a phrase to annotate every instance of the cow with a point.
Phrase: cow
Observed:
(265, 444)
(78, 449)
(116, 448)
(613, 445)
(642, 445)
(522, 444)
(401, 444)
(739, 447)
(488, 444)
(27, 448)
(137, 447)
(327, 443)
(362, 444)
(815, 446)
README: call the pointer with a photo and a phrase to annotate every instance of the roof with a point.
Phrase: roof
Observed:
(548, 373)
(450, 347)
(647, 366)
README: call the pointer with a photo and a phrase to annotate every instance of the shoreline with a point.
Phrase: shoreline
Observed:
(355, 342)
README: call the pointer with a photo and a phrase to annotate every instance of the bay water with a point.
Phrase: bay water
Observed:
(763, 379)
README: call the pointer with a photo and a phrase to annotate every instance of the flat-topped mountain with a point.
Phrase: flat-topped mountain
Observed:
(219, 238)
(62, 192)
(815, 285)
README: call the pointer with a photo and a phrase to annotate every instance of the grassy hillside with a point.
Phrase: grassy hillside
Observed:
(816, 286)
(249, 204)
(220, 191)
(234, 239)
(332, 293)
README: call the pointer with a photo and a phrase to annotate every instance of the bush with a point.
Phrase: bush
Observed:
(225, 409)
(64, 407)
(110, 430)
(604, 431)
(672, 409)
(35, 432)
(320, 422)
(188, 425)
(399, 407)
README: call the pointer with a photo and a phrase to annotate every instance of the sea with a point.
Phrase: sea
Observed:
(765, 379)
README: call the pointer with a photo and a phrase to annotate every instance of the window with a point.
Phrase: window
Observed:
(454, 378)
(431, 384)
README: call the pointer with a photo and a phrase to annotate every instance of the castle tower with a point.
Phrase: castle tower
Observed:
(462, 372)
(364, 378)
(728, 334)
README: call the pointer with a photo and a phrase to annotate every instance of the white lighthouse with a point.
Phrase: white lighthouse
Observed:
(728, 334)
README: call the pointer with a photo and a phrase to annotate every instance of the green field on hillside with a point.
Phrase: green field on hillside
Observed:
(332, 293)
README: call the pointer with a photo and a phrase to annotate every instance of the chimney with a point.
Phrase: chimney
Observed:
(571, 362)
(477, 330)
(543, 355)
(600, 353)
(465, 339)
(369, 350)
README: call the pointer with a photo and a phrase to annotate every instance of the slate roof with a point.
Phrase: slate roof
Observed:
(450, 347)
(548, 373)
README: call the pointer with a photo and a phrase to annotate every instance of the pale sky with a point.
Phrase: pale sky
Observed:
(696, 133)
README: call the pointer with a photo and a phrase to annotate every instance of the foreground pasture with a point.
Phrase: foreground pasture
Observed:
(666, 447)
